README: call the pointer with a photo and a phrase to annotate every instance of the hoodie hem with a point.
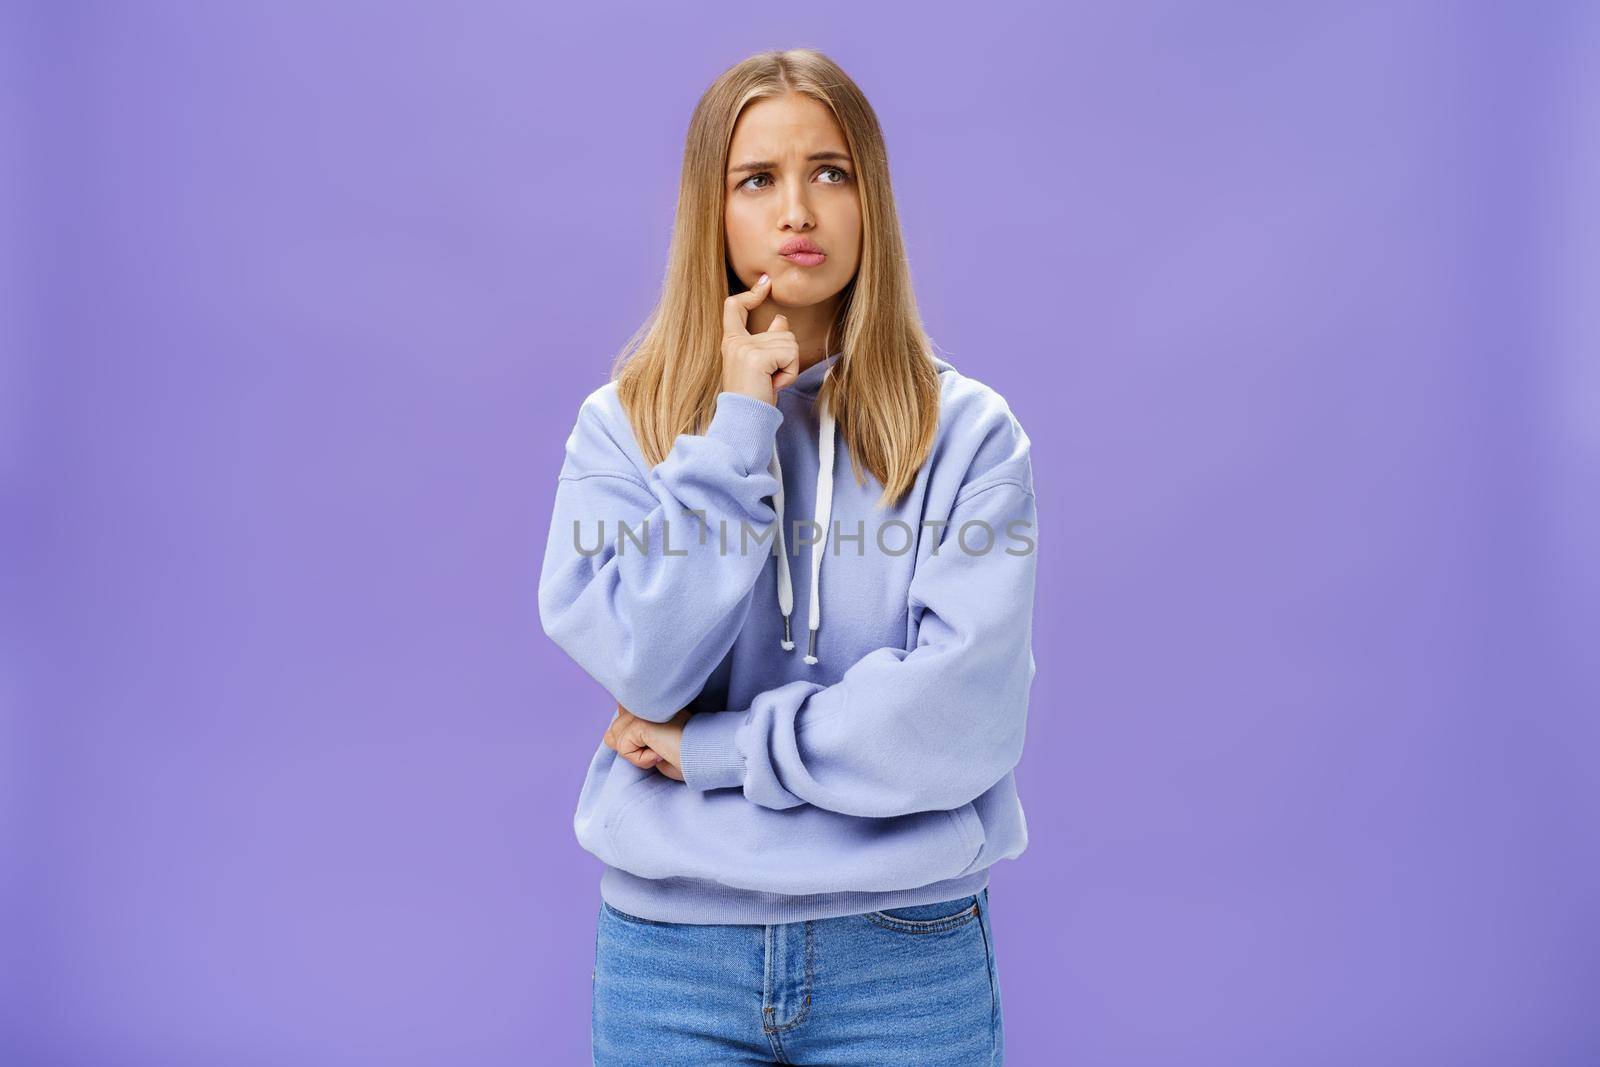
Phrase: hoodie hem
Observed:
(701, 901)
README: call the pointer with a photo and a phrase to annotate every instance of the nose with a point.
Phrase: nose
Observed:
(796, 207)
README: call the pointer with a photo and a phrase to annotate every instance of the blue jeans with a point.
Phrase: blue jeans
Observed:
(915, 985)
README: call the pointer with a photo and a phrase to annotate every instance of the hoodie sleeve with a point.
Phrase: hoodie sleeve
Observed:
(651, 624)
(929, 728)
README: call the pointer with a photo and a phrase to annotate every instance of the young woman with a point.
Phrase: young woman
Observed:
(797, 809)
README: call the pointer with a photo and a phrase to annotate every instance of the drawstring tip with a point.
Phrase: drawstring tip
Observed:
(788, 638)
(811, 659)
(811, 647)
(788, 646)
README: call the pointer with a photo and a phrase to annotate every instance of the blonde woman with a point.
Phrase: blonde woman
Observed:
(797, 548)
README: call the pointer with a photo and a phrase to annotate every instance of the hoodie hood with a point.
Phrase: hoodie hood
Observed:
(810, 379)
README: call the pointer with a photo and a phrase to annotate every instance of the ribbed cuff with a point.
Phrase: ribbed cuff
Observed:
(748, 426)
(709, 757)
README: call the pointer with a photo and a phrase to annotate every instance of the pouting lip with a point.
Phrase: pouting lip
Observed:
(798, 244)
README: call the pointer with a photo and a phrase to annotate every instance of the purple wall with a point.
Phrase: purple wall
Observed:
(1298, 307)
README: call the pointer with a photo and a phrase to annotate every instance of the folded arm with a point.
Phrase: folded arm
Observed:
(650, 624)
(930, 728)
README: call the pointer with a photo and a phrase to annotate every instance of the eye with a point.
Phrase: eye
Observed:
(844, 176)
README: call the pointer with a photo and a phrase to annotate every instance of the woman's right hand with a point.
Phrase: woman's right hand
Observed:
(757, 365)
(644, 743)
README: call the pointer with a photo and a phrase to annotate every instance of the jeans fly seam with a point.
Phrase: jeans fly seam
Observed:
(805, 1002)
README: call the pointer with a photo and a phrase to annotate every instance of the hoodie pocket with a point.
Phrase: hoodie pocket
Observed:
(671, 831)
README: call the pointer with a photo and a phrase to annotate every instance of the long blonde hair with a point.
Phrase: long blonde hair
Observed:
(884, 388)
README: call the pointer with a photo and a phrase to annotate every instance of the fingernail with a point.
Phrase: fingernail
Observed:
(761, 279)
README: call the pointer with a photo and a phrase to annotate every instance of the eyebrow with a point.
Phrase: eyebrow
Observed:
(767, 164)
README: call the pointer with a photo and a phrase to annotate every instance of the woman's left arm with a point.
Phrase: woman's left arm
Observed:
(930, 728)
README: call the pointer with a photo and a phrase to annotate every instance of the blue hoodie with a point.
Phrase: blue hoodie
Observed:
(860, 763)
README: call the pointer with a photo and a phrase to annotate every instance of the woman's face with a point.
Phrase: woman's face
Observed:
(790, 176)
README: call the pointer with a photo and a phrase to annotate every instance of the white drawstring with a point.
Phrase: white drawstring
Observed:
(824, 517)
(785, 588)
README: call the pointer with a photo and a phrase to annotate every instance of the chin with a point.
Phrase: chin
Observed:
(802, 292)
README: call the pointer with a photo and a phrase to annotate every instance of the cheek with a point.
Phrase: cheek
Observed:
(742, 229)
(851, 259)
(849, 225)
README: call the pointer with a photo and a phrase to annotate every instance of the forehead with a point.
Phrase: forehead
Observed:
(791, 125)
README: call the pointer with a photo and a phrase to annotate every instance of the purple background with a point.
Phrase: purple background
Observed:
(1298, 307)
